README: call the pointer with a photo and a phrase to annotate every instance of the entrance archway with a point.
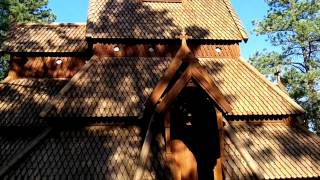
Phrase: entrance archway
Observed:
(194, 134)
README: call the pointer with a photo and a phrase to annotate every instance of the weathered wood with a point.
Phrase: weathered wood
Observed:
(174, 91)
(254, 167)
(204, 80)
(145, 150)
(25, 151)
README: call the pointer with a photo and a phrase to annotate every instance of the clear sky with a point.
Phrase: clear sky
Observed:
(248, 10)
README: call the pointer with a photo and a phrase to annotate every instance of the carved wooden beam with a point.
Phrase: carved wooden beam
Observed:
(145, 150)
(169, 73)
(174, 91)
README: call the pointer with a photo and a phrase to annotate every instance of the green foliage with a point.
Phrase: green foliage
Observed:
(21, 11)
(4, 63)
(294, 25)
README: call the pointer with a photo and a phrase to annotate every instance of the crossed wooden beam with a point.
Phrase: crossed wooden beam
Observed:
(163, 96)
(194, 70)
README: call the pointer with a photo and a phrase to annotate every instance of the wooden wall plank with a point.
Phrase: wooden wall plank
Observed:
(228, 50)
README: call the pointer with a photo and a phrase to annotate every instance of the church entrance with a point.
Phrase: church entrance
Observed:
(194, 134)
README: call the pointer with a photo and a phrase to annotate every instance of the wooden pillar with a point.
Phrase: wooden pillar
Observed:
(145, 149)
(167, 132)
(176, 173)
(218, 168)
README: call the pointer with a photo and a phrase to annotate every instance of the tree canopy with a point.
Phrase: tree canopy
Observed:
(294, 25)
(21, 11)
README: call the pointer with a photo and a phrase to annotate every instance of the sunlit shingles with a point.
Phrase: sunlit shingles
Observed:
(172, 16)
(289, 151)
(26, 97)
(47, 38)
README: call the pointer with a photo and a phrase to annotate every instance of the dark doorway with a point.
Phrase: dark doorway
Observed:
(194, 123)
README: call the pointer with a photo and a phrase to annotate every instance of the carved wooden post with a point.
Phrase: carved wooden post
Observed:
(169, 156)
(220, 160)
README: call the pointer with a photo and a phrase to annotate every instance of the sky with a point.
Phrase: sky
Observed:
(248, 10)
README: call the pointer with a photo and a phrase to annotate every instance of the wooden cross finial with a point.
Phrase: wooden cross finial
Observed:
(277, 73)
(184, 38)
(184, 35)
(278, 78)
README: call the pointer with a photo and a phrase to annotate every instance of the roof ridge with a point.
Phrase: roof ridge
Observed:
(236, 20)
(53, 24)
(273, 87)
(90, 19)
(49, 105)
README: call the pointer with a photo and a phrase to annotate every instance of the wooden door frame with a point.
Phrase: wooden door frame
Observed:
(218, 169)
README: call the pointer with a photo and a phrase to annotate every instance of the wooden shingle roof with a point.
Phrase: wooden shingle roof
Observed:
(247, 90)
(281, 152)
(11, 145)
(22, 100)
(131, 19)
(119, 87)
(111, 152)
(96, 152)
(46, 38)
(110, 87)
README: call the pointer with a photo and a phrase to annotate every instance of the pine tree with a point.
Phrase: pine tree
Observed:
(21, 11)
(294, 25)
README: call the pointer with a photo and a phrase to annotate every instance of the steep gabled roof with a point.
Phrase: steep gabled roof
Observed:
(280, 151)
(109, 87)
(95, 152)
(46, 38)
(11, 145)
(111, 152)
(214, 20)
(119, 87)
(22, 100)
(247, 90)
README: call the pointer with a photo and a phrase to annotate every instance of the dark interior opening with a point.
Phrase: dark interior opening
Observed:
(194, 122)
